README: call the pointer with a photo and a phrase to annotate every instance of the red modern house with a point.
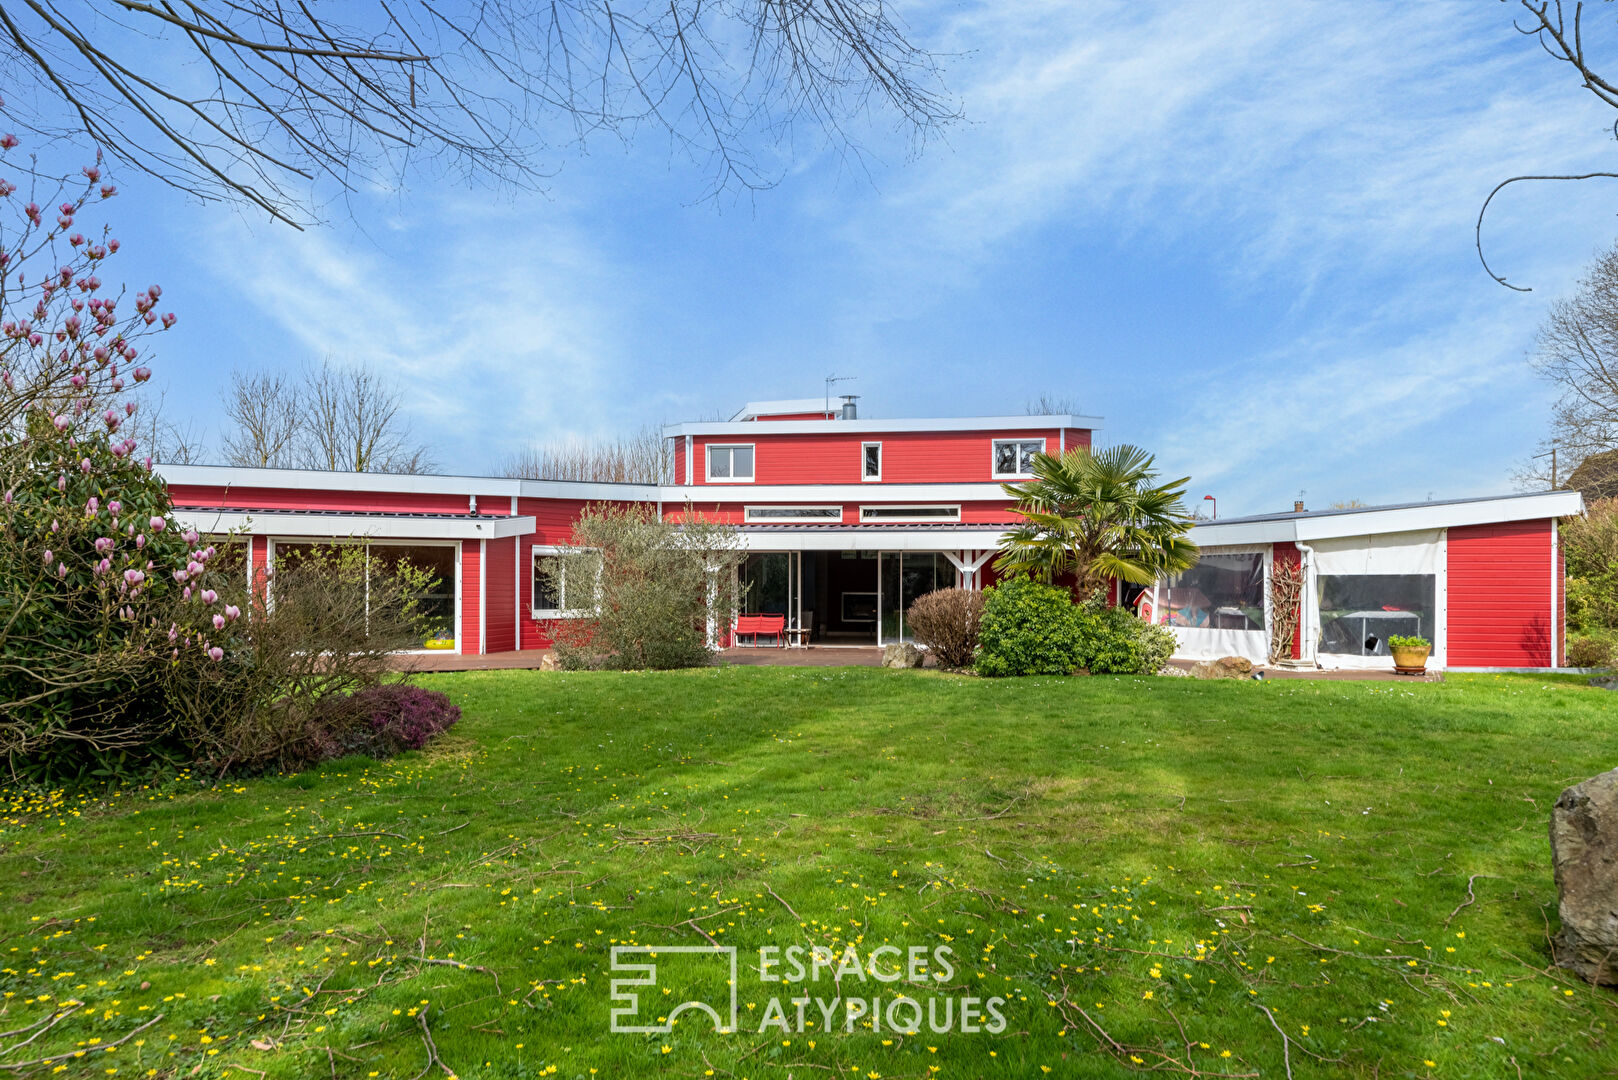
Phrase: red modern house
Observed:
(847, 520)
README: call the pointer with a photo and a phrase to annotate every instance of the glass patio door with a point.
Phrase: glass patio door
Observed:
(902, 576)
(772, 582)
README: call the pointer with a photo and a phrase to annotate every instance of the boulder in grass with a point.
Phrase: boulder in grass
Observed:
(549, 662)
(902, 654)
(1584, 856)
(1226, 667)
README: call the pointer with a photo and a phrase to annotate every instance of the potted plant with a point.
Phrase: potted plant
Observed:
(1409, 654)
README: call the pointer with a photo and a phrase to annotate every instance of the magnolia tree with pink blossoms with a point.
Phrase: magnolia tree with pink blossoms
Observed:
(124, 637)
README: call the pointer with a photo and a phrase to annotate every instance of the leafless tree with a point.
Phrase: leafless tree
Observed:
(1559, 29)
(164, 439)
(349, 421)
(640, 458)
(1049, 404)
(278, 99)
(262, 408)
(1578, 354)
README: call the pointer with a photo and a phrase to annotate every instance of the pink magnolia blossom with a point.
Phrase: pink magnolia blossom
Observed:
(189, 536)
(134, 577)
(218, 622)
(48, 556)
(216, 654)
(7, 141)
(187, 592)
(61, 570)
(85, 466)
(181, 575)
(140, 541)
(93, 505)
(104, 566)
(142, 374)
(114, 507)
(209, 596)
(169, 319)
(61, 423)
(8, 498)
(157, 524)
(104, 544)
(232, 612)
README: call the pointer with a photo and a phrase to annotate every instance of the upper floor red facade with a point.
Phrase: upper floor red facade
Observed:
(788, 448)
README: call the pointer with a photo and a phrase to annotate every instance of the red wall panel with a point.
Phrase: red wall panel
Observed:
(296, 499)
(471, 597)
(914, 457)
(1287, 554)
(499, 576)
(1500, 595)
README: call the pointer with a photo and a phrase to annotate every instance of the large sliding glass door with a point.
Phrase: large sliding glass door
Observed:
(771, 584)
(902, 577)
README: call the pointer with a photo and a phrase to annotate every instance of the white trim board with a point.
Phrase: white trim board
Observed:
(344, 526)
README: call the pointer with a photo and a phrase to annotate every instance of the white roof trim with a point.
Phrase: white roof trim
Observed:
(343, 526)
(1324, 526)
(320, 480)
(870, 538)
(878, 427)
(872, 492)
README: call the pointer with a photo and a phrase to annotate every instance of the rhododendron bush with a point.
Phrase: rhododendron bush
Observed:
(125, 637)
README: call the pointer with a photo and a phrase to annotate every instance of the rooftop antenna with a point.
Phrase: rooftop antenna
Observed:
(835, 378)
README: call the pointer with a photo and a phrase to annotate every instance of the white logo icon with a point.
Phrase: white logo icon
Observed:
(624, 1014)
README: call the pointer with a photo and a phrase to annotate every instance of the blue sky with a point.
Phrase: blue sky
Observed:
(1240, 232)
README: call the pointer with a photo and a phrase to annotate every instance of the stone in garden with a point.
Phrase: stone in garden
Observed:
(548, 662)
(901, 655)
(1226, 667)
(1584, 855)
(1605, 682)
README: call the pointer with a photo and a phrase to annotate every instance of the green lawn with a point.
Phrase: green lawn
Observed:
(1154, 874)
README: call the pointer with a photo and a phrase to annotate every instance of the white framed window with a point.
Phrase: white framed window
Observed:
(775, 515)
(871, 461)
(574, 587)
(730, 464)
(913, 513)
(1013, 459)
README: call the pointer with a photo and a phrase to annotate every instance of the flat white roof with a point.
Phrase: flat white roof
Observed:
(788, 405)
(1405, 517)
(354, 526)
(871, 427)
(319, 480)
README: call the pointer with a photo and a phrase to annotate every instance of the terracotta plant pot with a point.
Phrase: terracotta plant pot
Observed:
(1409, 661)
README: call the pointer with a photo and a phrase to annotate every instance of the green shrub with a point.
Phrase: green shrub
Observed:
(1413, 641)
(1118, 643)
(1589, 652)
(640, 590)
(1029, 628)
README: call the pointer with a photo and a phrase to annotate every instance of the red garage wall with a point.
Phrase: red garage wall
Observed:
(379, 502)
(499, 577)
(1500, 612)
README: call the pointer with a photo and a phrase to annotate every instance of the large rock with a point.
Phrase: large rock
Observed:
(1584, 854)
(902, 655)
(549, 662)
(1226, 667)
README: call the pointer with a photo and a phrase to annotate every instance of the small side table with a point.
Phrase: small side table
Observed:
(797, 637)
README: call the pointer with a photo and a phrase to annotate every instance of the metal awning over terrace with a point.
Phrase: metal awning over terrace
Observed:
(350, 525)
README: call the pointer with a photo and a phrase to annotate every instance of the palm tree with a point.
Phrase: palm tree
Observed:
(1100, 516)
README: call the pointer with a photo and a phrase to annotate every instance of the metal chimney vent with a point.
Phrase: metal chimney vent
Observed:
(850, 410)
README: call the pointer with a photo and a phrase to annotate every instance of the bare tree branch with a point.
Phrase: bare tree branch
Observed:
(279, 99)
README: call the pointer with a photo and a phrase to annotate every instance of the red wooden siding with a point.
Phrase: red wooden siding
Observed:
(259, 556)
(471, 597)
(1561, 606)
(911, 457)
(978, 512)
(1500, 595)
(1287, 554)
(500, 622)
(389, 502)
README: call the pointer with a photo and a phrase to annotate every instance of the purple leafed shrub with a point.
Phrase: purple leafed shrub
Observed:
(405, 717)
